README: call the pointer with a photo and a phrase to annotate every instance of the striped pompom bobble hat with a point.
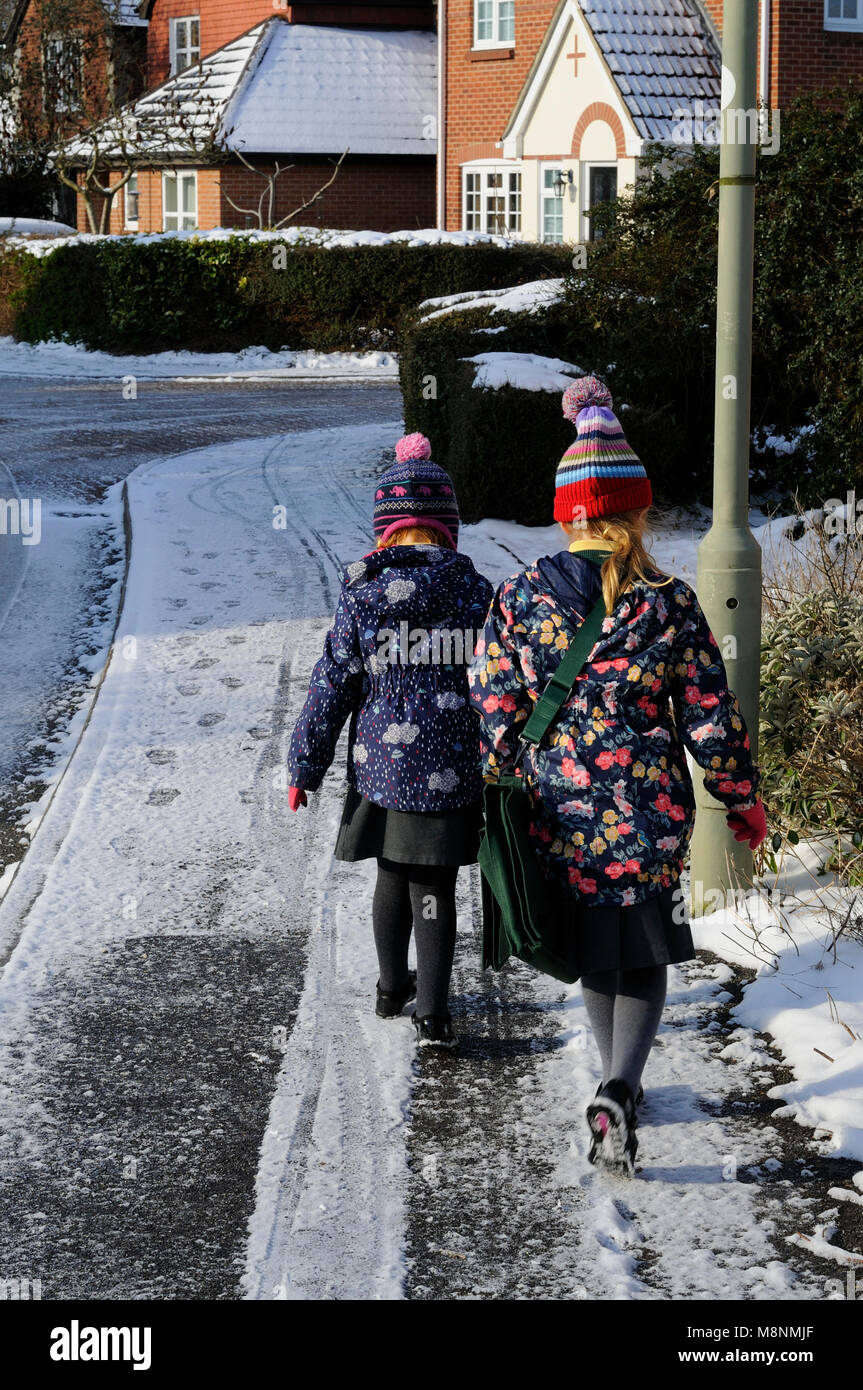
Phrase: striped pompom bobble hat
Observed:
(415, 492)
(599, 475)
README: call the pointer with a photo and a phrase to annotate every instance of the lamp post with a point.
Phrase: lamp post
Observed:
(729, 557)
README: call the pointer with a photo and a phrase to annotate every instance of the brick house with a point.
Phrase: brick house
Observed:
(294, 94)
(548, 104)
(69, 62)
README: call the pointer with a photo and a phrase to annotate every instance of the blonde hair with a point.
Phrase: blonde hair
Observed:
(630, 561)
(415, 535)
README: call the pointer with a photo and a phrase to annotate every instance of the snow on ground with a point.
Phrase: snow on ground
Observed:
(527, 298)
(318, 236)
(189, 993)
(57, 359)
(525, 370)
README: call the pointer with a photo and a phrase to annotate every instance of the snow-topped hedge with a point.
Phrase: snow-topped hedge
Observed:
(224, 290)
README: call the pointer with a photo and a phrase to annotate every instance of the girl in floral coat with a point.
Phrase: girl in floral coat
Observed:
(395, 663)
(613, 798)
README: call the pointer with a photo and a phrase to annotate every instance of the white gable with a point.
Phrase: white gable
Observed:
(561, 89)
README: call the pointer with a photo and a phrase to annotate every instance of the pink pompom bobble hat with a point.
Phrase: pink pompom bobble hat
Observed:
(415, 492)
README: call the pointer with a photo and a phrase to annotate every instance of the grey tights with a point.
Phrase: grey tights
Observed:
(419, 897)
(624, 1008)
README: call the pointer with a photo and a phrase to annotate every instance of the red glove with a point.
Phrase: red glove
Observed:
(296, 798)
(749, 825)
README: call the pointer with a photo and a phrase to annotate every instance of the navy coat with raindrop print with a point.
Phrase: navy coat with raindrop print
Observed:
(395, 660)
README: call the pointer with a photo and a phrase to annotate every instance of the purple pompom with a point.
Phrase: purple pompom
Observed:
(413, 446)
(586, 391)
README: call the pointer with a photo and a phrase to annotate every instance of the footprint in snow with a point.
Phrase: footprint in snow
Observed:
(188, 569)
(232, 682)
(201, 622)
(161, 755)
(210, 554)
(210, 584)
(259, 732)
(185, 639)
(207, 721)
(236, 638)
(176, 602)
(163, 796)
(203, 662)
(189, 689)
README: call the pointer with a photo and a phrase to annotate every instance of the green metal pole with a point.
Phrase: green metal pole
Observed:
(729, 557)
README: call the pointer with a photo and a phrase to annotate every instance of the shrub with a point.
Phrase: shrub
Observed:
(135, 294)
(501, 447)
(811, 726)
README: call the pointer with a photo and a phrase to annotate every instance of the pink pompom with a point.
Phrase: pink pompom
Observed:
(413, 446)
(586, 391)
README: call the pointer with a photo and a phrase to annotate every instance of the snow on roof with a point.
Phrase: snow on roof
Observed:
(320, 88)
(661, 54)
(287, 88)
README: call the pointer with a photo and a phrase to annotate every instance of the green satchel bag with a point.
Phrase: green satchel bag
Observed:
(524, 913)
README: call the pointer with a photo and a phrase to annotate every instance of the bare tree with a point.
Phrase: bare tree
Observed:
(265, 209)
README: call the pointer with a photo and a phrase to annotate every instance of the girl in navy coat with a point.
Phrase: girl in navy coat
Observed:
(612, 792)
(395, 663)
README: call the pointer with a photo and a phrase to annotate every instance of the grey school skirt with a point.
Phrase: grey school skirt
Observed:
(369, 831)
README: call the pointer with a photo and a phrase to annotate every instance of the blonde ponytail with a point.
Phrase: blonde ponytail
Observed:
(630, 562)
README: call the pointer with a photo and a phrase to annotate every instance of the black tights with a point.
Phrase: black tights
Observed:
(419, 897)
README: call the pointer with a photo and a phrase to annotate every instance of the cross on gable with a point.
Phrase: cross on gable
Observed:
(576, 55)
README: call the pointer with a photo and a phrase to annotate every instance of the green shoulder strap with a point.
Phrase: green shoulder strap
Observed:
(560, 684)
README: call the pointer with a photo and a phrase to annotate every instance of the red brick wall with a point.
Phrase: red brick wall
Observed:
(482, 87)
(384, 195)
(224, 20)
(804, 56)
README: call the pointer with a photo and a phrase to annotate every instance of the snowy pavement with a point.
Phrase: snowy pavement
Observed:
(197, 1100)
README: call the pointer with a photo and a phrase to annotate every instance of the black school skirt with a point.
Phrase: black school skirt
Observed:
(369, 831)
(654, 932)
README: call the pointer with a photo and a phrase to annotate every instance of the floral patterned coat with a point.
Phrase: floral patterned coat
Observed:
(615, 807)
(395, 660)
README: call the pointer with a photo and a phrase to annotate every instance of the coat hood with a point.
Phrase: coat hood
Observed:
(573, 580)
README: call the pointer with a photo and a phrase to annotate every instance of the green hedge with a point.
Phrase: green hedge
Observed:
(123, 294)
(501, 447)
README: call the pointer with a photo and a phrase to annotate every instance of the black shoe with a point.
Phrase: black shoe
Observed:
(391, 1005)
(639, 1097)
(435, 1030)
(611, 1116)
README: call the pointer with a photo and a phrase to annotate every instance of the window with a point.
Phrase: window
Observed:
(552, 207)
(493, 23)
(185, 42)
(601, 187)
(843, 14)
(63, 73)
(179, 201)
(492, 200)
(131, 203)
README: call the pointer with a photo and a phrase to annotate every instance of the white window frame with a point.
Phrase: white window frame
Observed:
(557, 167)
(585, 204)
(176, 48)
(511, 192)
(131, 223)
(183, 224)
(842, 24)
(52, 66)
(497, 20)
